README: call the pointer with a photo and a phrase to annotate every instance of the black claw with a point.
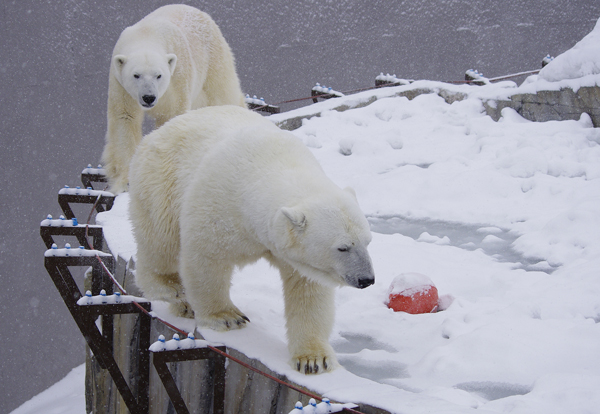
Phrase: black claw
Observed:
(227, 324)
(298, 366)
(244, 317)
(325, 363)
(316, 369)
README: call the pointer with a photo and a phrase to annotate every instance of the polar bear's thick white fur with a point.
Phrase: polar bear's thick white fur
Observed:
(173, 60)
(221, 187)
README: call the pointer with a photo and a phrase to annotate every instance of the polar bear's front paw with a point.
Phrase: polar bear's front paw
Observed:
(315, 364)
(225, 320)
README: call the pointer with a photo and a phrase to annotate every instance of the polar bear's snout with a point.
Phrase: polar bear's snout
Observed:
(360, 274)
(363, 283)
(148, 100)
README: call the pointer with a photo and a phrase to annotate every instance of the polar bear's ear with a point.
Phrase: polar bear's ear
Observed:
(171, 61)
(297, 217)
(350, 191)
(119, 61)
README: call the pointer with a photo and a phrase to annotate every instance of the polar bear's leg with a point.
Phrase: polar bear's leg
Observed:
(162, 286)
(310, 312)
(157, 286)
(165, 287)
(123, 135)
(207, 282)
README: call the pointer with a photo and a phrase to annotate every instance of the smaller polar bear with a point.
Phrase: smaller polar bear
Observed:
(173, 60)
(221, 187)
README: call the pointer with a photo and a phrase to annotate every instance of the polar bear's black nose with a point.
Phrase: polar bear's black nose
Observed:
(363, 283)
(149, 99)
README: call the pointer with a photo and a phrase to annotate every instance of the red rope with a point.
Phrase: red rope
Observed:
(181, 331)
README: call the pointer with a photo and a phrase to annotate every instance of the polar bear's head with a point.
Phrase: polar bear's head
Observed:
(326, 239)
(145, 76)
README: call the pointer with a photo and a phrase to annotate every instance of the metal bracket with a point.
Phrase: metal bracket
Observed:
(160, 359)
(104, 203)
(271, 109)
(323, 92)
(88, 179)
(79, 231)
(100, 340)
(91, 175)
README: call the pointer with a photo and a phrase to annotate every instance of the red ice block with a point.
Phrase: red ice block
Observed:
(413, 293)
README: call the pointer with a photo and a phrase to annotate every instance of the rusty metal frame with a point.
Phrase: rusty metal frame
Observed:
(104, 203)
(99, 279)
(321, 95)
(82, 232)
(87, 179)
(101, 343)
(384, 83)
(160, 359)
(271, 109)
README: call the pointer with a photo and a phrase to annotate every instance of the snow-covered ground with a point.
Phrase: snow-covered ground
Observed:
(502, 216)
(67, 396)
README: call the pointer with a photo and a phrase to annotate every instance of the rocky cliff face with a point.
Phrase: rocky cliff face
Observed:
(558, 105)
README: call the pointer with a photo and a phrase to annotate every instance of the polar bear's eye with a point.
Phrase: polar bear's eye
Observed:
(159, 76)
(343, 248)
(136, 76)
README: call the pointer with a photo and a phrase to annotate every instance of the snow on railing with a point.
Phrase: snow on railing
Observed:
(69, 252)
(259, 104)
(104, 299)
(547, 60)
(254, 100)
(324, 407)
(60, 222)
(177, 343)
(318, 88)
(476, 77)
(390, 80)
(89, 191)
(95, 171)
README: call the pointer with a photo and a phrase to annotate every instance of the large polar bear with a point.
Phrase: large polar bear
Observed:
(221, 187)
(173, 60)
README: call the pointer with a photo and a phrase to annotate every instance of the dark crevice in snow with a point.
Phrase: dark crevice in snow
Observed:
(354, 343)
(491, 390)
(491, 240)
(377, 371)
